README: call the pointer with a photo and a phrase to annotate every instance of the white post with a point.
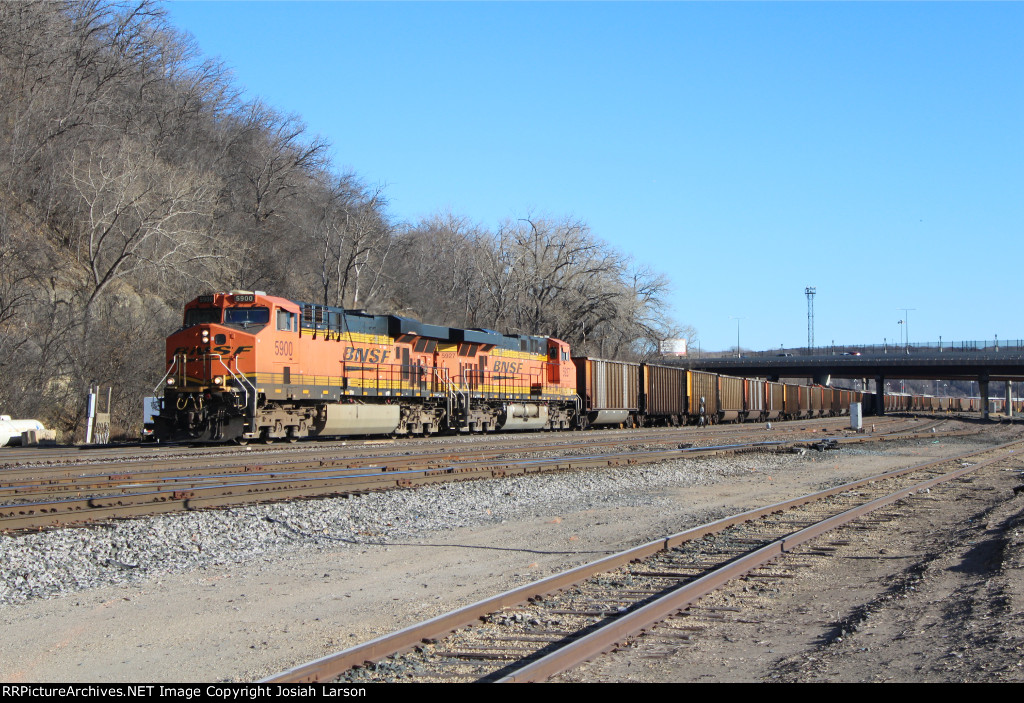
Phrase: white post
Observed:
(856, 418)
(90, 416)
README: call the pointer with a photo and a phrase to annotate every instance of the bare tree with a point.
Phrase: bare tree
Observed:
(137, 215)
(66, 63)
(547, 274)
(16, 287)
(353, 240)
(438, 270)
(269, 164)
(533, 276)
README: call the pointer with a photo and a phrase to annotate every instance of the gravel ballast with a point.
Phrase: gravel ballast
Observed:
(63, 561)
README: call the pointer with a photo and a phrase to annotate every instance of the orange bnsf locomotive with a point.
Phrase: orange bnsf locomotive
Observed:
(249, 366)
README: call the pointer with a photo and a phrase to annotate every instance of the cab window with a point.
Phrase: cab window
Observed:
(201, 316)
(286, 320)
(246, 316)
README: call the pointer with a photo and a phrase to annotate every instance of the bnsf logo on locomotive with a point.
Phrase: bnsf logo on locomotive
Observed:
(508, 366)
(372, 356)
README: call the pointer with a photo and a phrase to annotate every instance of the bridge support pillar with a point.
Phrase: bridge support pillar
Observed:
(1008, 408)
(983, 393)
(879, 395)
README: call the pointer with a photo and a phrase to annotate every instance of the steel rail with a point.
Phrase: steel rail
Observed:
(49, 484)
(602, 639)
(250, 488)
(38, 489)
(332, 666)
(519, 442)
(39, 482)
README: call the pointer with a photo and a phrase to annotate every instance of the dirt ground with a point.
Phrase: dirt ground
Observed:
(935, 593)
(941, 598)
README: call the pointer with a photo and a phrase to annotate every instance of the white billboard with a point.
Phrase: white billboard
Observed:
(673, 347)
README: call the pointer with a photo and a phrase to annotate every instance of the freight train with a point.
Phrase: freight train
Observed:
(249, 366)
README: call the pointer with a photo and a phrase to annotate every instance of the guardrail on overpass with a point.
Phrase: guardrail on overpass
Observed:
(996, 346)
(977, 366)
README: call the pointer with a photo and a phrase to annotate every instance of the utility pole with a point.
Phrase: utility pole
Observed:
(906, 327)
(738, 355)
(809, 291)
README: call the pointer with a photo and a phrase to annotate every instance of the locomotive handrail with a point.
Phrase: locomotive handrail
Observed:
(447, 385)
(174, 362)
(174, 365)
(453, 389)
(245, 384)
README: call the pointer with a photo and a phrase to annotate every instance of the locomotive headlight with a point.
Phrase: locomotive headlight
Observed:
(170, 381)
(218, 380)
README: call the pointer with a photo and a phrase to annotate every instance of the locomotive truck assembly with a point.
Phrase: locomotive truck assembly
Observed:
(250, 366)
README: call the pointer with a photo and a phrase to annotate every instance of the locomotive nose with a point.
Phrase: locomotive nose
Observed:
(201, 356)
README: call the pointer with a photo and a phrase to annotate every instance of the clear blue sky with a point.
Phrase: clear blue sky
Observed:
(746, 150)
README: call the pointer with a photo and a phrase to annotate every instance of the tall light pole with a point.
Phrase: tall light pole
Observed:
(737, 333)
(906, 326)
(810, 291)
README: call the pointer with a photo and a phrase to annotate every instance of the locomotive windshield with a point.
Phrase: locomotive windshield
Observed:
(246, 316)
(199, 316)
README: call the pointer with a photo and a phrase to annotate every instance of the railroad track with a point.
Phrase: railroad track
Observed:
(61, 496)
(536, 631)
(76, 476)
(87, 458)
